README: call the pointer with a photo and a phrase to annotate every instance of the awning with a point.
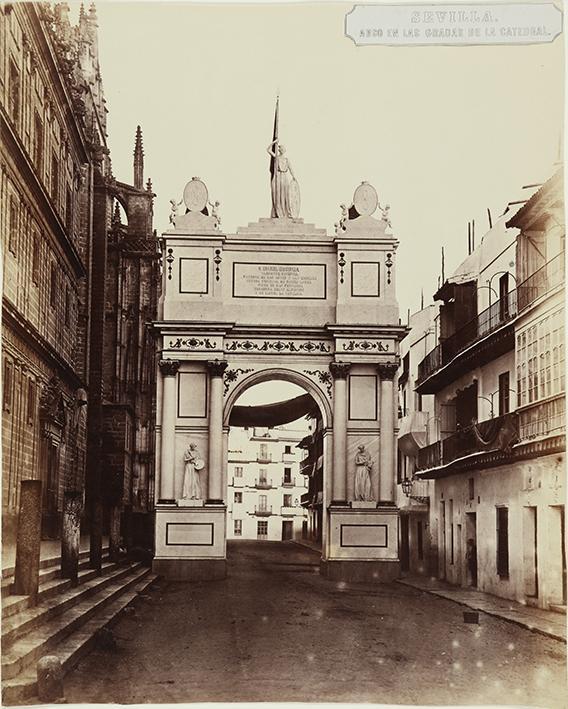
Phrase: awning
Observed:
(276, 414)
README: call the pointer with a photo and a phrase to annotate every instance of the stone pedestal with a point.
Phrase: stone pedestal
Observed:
(362, 544)
(190, 542)
(71, 535)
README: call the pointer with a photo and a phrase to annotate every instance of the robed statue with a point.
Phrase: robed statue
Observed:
(363, 468)
(191, 483)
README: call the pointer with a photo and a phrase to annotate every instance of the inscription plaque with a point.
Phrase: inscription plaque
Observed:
(279, 280)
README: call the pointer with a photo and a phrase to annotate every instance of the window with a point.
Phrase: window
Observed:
(287, 501)
(262, 502)
(540, 360)
(67, 306)
(288, 449)
(238, 471)
(31, 400)
(238, 527)
(69, 212)
(35, 257)
(262, 472)
(14, 225)
(55, 180)
(14, 92)
(37, 147)
(287, 475)
(503, 542)
(504, 296)
(503, 393)
(53, 285)
(262, 529)
(471, 485)
(238, 497)
(7, 385)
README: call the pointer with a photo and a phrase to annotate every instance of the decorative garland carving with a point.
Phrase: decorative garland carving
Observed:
(324, 377)
(231, 376)
(365, 346)
(341, 264)
(389, 264)
(191, 343)
(279, 346)
(217, 261)
(170, 260)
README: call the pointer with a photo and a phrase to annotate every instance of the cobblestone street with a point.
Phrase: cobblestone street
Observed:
(274, 630)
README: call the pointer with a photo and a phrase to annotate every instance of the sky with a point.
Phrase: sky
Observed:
(443, 133)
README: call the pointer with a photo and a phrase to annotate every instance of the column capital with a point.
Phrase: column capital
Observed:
(217, 367)
(387, 370)
(168, 367)
(339, 370)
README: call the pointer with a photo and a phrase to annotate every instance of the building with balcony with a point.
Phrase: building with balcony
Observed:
(264, 484)
(417, 428)
(497, 375)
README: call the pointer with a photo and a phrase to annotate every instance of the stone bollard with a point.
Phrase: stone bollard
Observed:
(26, 575)
(70, 537)
(50, 680)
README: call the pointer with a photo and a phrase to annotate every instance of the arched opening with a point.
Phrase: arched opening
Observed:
(275, 460)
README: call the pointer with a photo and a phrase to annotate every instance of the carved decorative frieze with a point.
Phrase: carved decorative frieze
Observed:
(389, 264)
(280, 346)
(323, 377)
(339, 370)
(168, 367)
(365, 346)
(217, 259)
(231, 376)
(387, 370)
(192, 343)
(341, 263)
(217, 367)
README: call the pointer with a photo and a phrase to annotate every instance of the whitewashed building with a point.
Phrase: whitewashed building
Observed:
(265, 485)
(497, 376)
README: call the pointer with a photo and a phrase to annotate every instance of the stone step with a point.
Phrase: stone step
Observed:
(16, 604)
(48, 572)
(16, 625)
(27, 650)
(49, 561)
(21, 689)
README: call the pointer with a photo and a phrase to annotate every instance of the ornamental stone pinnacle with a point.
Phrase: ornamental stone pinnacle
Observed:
(339, 370)
(168, 367)
(217, 367)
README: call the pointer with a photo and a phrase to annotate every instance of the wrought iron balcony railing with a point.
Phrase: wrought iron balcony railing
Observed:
(291, 482)
(540, 282)
(483, 324)
(288, 511)
(264, 458)
(263, 484)
(263, 511)
(495, 434)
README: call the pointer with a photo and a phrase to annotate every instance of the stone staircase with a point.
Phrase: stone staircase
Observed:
(65, 619)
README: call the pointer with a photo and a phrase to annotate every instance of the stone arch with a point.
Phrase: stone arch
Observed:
(280, 374)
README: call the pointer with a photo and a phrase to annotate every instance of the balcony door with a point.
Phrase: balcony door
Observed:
(262, 503)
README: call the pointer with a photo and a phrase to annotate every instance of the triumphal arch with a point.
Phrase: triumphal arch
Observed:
(278, 300)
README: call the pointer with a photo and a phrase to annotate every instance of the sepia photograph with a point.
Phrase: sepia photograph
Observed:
(283, 364)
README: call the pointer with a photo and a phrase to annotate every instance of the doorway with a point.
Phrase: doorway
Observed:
(404, 544)
(287, 530)
(530, 559)
(471, 549)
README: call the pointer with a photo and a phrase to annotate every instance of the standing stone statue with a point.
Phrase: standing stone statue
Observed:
(363, 467)
(193, 464)
(284, 187)
(283, 193)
